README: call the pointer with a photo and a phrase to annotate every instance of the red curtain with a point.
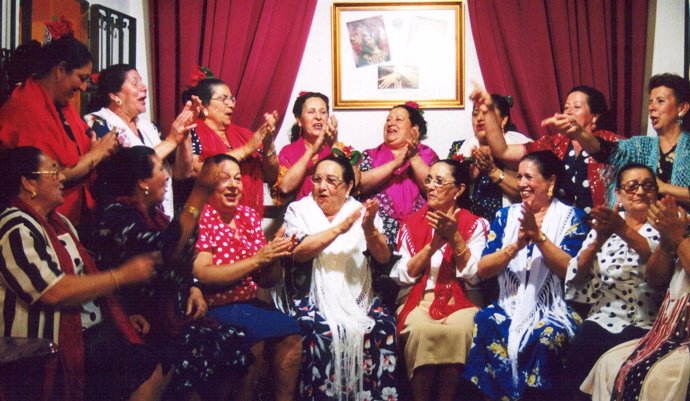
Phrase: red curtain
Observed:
(537, 50)
(254, 46)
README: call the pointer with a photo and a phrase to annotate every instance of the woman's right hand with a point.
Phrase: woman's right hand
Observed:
(669, 219)
(562, 123)
(346, 224)
(209, 177)
(138, 269)
(606, 222)
(104, 147)
(279, 247)
(483, 159)
(482, 99)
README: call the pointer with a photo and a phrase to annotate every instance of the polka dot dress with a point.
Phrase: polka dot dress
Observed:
(228, 245)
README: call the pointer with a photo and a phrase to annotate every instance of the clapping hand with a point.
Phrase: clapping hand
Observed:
(483, 159)
(371, 207)
(563, 123)
(606, 221)
(331, 132)
(669, 219)
(529, 230)
(186, 120)
(443, 224)
(481, 98)
(279, 247)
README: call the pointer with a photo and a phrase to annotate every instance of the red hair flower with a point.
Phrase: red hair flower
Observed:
(412, 104)
(198, 73)
(302, 93)
(95, 77)
(342, 150)
(462, 158)
(59, 28)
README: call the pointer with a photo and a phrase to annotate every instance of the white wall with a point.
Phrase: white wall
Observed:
(364, 129)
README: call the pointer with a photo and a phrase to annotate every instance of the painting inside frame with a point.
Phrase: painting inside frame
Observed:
(386, 53)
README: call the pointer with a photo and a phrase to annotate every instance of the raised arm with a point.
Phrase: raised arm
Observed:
(313, 244)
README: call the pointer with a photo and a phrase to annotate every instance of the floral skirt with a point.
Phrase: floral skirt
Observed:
(539, 362)
(380, 355)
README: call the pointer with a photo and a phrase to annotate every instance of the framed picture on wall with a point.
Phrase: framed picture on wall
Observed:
(388, 52)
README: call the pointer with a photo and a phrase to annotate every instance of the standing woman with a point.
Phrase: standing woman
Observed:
(519, 342)
(120, 100)
(489, 192)
(39, 114)
(667, 153)
(393, 173)
(215, 133)
(440, 247)
(311, 138)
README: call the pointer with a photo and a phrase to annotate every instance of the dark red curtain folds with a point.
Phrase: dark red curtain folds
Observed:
(254, 46)
(537, 50)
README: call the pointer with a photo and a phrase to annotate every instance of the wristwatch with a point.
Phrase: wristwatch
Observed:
(542, 238)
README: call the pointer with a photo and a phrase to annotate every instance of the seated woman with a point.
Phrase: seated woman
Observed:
(120, 101)
(215, 133)
(519, 341)
(130, 189)
(310, 141)
(584, 119)
(51, 288)
(489, 192)
(440, 247)
(233, 258)
(349, 339)
(657, 366)
(615, 274)
(39, 113)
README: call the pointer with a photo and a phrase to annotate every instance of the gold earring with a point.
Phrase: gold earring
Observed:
(146, 191)
(118, 101)
(550, 193)
(33, 195)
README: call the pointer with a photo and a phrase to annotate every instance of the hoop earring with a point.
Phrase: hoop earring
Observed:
(118, 101)
(679, 120)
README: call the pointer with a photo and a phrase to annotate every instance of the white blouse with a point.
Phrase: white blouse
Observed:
(616, 287)
(475, 246)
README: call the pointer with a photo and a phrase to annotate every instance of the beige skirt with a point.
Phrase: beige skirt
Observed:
(667, 380)
(435, 342)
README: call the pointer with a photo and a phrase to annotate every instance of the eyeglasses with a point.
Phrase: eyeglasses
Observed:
(437, 182)
(55, 172)
(331, 181)
(226, 99)
(631, 186)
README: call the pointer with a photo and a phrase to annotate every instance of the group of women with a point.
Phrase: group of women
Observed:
(380, 260)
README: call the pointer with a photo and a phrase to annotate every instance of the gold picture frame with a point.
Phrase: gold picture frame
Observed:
(388, 52)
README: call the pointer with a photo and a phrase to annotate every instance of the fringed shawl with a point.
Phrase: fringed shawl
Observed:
(671, 325)
(340, 286)
(530, 291)
(645, 150)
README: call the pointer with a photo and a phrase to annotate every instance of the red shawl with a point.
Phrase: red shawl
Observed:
(70, 337)
(252, 176)
(29, 118)
(449, 295)
(596, 171)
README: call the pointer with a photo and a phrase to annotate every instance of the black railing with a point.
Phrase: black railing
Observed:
(112, 37)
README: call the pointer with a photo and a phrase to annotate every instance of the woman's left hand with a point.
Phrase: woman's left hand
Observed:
(669, 219)
(371, 206)
(528, 225)
(331, 134)
(185, 121)
(196, 305)
(445, 226)
(483, 159)
(563, 123)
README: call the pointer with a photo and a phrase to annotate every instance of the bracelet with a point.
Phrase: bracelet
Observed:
(457, 255)
(270, 152)
(500, 178)
(191, 210)
(112, 274)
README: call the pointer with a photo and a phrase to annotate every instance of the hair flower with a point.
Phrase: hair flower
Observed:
(302, 93)
(412, 104)
(58, 28)
(509, 100)
(95, 77)
(198, 73)
(341, 150)
(459, 157)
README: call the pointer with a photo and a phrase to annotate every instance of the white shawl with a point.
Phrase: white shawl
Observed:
(511, 137)
(527, 301)
(340, 286)
(128, 139)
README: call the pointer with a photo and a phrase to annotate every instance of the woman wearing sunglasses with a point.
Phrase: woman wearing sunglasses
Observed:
(614, 273)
